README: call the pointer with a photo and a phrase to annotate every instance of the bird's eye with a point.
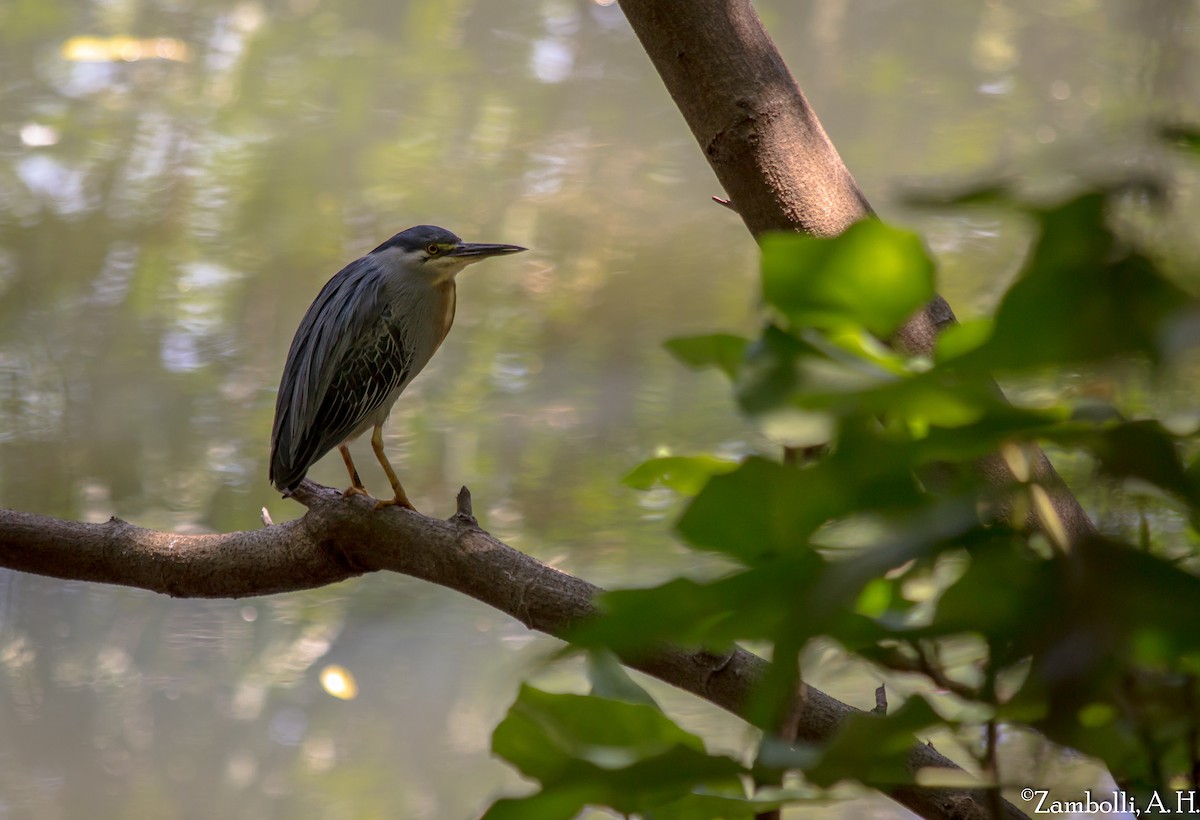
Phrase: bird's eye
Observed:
(432, 250)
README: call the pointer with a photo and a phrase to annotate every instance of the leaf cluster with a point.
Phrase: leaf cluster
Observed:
(1092, 640)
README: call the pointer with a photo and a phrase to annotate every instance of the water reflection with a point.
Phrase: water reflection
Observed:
(176, 188)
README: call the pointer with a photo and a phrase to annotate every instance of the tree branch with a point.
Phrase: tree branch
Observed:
(340, 538)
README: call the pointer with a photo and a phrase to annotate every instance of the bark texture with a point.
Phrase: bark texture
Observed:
(758, 132)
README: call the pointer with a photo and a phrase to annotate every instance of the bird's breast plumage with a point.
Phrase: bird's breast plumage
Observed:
(450, 300)
(421, 316)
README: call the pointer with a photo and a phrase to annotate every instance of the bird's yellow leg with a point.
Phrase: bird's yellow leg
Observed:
(356, 486)
(401, 499)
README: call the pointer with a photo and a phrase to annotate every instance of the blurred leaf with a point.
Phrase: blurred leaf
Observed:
(683, 474)
(761, 509)
(560, 803)
(1080, 297)
(1139, 449)
(719, 807)
(1006, 594)
(796, 428)
(591, 750)
(961, 338)
(956, 441)
(990, 192)
(770, 372)
(610, 680)
(872, 275)
(1184, 136)
(787, 601)
(757, 603)
(721, 350)
(608, 732)
(828, 604)
(927, 400)
(783, 371)
(1112, 669)
(764, 509)
(864, 347)
(872, 749)
(1149, 603)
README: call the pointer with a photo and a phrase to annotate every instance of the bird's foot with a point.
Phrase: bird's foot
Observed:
(355, 490)
(398, 501)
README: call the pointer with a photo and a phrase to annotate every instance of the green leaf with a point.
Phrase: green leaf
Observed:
(956, 340)
(543, 729)
(721, 350)
(683, 474)
(933, 399)
(760, 509)
(871, 749)
(770, 372)
(1186, 137)
(561, 803)
(764, 509)
(721, 807)
(610, 680)
(987, 193)
(591, 750)
(1006, 594)
(1114, 660)
(1138, 449)
(755, 604)
(1159, 620)
(1081, 298)
(872, 275)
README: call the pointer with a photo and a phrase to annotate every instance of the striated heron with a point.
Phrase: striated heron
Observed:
(369, 332)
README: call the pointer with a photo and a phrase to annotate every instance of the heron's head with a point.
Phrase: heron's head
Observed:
(437, 253)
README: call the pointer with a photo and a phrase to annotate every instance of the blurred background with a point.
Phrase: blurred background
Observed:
(177, 181)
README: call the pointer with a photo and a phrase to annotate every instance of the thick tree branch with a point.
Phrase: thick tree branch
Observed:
(340, 538)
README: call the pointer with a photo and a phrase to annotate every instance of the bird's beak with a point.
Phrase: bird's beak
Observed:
(475, 251)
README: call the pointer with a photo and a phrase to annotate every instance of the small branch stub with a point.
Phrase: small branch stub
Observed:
(722, 201)
(463, 515)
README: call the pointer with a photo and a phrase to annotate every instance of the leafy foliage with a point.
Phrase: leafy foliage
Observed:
(1098, 636)
(1083, 296)
(606, 749)
(874, 276)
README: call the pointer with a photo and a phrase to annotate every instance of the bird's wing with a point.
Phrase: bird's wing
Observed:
(367, 374)
(343, 362)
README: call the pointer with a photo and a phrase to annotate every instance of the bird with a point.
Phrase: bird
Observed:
(372, 328)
